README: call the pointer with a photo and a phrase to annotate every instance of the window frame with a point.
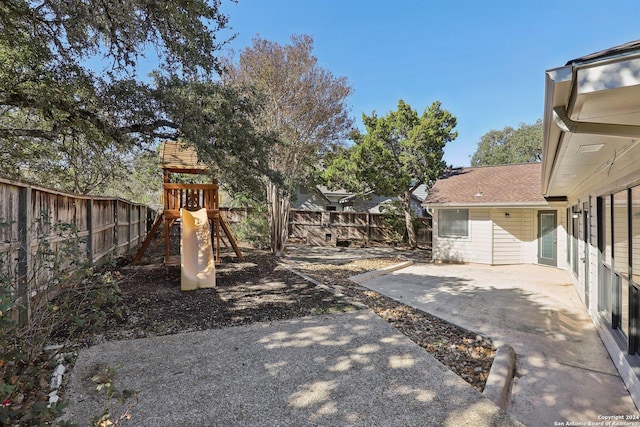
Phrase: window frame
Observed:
(450, 234)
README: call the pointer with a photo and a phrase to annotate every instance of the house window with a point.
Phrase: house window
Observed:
(575, 229)
(619, 290)
(331, 208)
(604, 246)
(620, 249)
(453, 222)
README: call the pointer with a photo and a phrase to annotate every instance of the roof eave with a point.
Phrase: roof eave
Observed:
(554, 91)
(493, 205)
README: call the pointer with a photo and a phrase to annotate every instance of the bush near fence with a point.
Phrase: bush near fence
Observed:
(106, 227)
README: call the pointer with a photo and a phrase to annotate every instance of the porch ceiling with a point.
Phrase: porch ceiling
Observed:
(592, 117)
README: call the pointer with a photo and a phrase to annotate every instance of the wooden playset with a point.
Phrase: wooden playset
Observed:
(178, 158)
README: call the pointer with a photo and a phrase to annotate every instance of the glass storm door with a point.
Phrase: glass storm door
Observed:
(547, 251)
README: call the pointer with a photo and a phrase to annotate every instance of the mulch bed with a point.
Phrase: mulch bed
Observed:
(260, 288)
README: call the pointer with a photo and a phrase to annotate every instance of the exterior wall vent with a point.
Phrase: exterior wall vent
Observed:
(591, 148)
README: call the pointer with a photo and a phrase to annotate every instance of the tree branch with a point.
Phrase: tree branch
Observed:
(32, 133)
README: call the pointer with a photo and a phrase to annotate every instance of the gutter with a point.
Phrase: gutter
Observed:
(561, 115)
(562, 120)
(551, 148)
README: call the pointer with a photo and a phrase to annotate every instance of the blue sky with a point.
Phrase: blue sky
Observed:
(484, 60)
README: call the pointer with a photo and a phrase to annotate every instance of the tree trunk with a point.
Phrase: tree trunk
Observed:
(405, 200)
(279, 205)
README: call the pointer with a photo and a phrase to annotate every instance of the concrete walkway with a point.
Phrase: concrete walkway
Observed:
(350, 369)
(564, 373)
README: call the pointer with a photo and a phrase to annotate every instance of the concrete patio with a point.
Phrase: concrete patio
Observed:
(350, 369)
(563, 374)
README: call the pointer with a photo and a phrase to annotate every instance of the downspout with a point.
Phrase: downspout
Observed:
(431, 212)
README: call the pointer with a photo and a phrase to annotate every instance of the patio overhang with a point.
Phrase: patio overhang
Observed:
(591, 118)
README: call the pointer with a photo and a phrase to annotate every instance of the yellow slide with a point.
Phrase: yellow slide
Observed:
(196, 253)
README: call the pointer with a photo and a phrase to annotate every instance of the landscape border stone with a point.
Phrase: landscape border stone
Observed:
(499, 382)
(498, 385)
(376, 273)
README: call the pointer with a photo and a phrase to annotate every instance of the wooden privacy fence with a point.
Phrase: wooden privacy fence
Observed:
(326, 228)
(330, 228)
(29, 214)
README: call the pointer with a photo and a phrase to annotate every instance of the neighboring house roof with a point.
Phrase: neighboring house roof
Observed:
(421, 192)
(517, 184)
(327, 192)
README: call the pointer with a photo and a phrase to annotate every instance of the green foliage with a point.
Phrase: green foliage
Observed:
(105, 383)
(394, 221)
(82, 128)
(218, 121)
(398, 153)
(393, 218)
(509, 145)
(70, 299)
(254, 229)
(142, 182)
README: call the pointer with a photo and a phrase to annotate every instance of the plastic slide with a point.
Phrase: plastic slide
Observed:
(196, 253)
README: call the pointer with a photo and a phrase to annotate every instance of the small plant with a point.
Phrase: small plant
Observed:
(254, 229)
(393, 218)
(105, 383)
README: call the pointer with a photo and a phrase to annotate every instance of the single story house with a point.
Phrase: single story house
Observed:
(591, 157)
(496, 215)
(321, 198)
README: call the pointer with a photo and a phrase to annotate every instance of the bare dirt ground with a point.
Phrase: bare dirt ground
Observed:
(260, 288)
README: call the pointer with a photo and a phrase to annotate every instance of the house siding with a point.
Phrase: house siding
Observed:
(508, 236)
(495, 238)
(475, 248)
(480, 247)
(529, 236)
(310, 202)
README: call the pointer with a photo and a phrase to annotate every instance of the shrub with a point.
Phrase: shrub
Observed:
(67, 298)
(254, 229)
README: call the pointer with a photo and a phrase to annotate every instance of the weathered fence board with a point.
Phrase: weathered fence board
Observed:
(30, 215)
(330, 228)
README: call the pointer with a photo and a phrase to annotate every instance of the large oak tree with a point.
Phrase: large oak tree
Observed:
(303, 106)
(72, 101)
(510, 145)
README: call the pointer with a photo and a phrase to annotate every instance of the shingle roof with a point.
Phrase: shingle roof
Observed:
(630, 47)
(498, 185)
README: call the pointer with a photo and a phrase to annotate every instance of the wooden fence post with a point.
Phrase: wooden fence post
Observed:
(116, 235)
(130, 221)
(90, 230)
(24, 253)
(142, 219)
